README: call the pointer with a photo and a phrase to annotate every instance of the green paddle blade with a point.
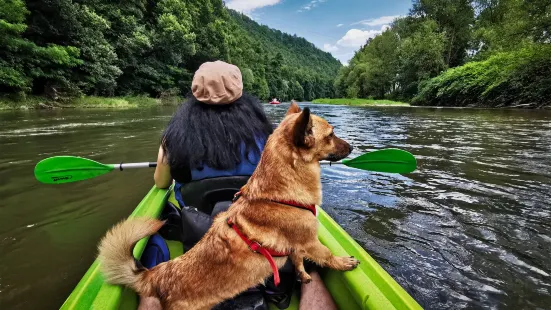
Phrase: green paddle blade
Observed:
(387, 160)
(65, 169)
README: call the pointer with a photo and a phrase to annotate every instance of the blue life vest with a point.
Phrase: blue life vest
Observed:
(244, 168)
(156, 250)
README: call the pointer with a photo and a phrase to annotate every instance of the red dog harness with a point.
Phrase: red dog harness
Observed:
(257, 247)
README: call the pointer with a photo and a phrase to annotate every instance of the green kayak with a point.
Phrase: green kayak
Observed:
(367, 287)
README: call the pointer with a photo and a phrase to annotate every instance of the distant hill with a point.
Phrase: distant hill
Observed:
(291, 59)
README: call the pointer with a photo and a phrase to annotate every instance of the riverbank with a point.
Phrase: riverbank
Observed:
(38, 102)
(359, 102)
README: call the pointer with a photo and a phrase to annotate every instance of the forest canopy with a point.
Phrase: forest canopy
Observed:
(146, 47)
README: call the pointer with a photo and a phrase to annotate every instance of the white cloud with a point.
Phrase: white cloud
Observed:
(310, 5)
(344, 58)
(340, 25)
(330, 48)
(247, 6)
(383, 20)
(356, 37)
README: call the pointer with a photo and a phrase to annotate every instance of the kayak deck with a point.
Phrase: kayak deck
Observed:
(367, 287)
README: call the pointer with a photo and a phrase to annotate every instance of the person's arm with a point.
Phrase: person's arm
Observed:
(162, 176)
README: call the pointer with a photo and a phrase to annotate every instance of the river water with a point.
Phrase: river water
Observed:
(469, 229)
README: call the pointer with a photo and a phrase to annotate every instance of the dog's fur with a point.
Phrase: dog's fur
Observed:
(221, 265)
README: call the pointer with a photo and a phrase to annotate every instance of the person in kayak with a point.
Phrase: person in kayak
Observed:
(219, 131)
(210, 148)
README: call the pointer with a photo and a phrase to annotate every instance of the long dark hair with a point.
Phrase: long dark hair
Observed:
(214, 135)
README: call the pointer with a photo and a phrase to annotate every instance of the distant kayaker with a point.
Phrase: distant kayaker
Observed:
(219, 132)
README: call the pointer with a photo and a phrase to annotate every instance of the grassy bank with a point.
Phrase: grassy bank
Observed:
(37, 102)
(518, 79)
(359, 102)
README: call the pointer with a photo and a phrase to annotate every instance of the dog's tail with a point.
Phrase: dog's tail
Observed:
(115, 251)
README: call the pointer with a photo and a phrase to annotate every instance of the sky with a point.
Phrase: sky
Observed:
(336, 26)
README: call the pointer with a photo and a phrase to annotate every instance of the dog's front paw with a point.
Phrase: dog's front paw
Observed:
(304, 277)
(346, 263)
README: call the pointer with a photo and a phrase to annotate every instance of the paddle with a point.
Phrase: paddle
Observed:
(66, 169)
(387, 160)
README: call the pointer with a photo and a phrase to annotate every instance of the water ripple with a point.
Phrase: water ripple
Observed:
(470, 228)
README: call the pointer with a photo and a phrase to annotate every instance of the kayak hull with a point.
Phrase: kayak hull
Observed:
(367, 287)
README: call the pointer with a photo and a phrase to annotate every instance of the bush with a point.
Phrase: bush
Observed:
(170, 97)
(512, 79)
(114, 102)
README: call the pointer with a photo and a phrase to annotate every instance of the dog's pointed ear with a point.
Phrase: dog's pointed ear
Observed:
(302, 131)
(293, 108)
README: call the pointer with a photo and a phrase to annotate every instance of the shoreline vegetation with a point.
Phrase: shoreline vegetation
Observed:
(360, 102)
(476, 54)
(480, 54)
(40, 102)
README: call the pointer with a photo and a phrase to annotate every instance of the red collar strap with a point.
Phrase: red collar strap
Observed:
(258, 248)
(311, 208)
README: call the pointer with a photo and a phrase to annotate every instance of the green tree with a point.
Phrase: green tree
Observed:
(66, 23)
(22, 62)
(248, 78)
(340, 84)
(421, 57)
(455, 19)
(519, 78)
(381, 54)
(261, 89)
(508, 25)
(149, 47)
(296, 91)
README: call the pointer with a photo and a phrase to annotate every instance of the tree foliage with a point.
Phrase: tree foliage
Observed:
(22, 61)
(395, 62)
(421, 57)
(519, 79)
(507, 25)
(453, 19)
(458, 52)
(134, 47)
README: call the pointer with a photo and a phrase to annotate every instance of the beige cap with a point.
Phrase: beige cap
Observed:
(217, 83)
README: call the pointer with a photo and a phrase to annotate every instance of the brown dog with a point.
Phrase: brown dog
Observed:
(222, 265)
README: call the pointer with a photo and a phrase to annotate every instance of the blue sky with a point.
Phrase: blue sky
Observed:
(336, 26)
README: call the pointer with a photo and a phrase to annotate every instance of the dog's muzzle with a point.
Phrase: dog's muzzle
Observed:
(333, 157)
(337, 157)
